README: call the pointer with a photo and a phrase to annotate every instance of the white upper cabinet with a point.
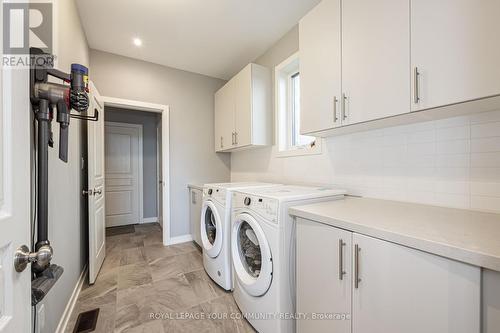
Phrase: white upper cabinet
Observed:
(382, 59)
(243, 113)
(455, 49)
(320, 67)
(224, 117)
(375, 59)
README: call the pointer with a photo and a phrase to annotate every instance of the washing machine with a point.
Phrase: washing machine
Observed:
(216, 230)
(263, 252)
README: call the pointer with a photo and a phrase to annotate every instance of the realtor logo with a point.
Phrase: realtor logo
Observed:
(27, 25)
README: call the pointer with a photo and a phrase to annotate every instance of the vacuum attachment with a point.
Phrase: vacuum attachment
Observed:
(44, 282)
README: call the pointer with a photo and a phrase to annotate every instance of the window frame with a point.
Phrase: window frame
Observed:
(284, 120)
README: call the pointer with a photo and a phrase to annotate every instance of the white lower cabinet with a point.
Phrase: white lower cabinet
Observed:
(323, 254)
(387, 288)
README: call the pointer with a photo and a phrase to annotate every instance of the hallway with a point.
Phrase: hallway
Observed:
(144, 286)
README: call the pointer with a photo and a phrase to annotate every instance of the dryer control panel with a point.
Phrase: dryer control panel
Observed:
(265, 207)
(217, 194)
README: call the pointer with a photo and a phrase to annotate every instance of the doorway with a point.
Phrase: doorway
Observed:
(136, 151)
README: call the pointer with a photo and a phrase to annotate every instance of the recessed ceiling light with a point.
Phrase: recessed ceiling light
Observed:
(137, 42)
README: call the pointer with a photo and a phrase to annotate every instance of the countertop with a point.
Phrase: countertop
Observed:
(196, 186)
(468, 236)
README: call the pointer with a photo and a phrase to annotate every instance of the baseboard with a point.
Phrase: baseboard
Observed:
(180, 239)
(61, 327)
(149, 220)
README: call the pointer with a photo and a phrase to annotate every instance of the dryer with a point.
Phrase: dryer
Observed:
(263, 254)
(215, 229)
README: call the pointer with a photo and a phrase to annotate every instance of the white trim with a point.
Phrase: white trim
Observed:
(158, 173)
(140, 176)
(181, 239)
(281, 118)
(164, 110)
(63, 322)
(149, 219)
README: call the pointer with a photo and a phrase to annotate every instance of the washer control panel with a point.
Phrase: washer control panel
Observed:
(267, 208)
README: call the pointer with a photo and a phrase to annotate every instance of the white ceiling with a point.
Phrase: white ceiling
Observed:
(211, 37)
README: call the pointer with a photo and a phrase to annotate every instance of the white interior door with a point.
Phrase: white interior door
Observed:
(96, 186)
(15, 288)
(123, 173)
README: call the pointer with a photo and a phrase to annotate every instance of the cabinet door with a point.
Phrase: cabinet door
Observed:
(320, 67)
(224, 117)
(320, 289)
(243, 110)
(375, 58)
(405, 290)
(455, 47)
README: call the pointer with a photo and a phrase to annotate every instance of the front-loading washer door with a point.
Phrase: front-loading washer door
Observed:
(211, 229)
(252, 258)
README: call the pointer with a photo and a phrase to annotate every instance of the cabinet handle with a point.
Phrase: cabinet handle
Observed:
(335, 118)
(416, 88)
(221, 142)
(341, 259)
(344, 99)
(232, 138)
(357, 280)
(235, 138)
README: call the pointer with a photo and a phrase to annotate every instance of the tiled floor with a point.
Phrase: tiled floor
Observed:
(141, 279)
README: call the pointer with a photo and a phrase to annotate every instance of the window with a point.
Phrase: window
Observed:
(290, 141)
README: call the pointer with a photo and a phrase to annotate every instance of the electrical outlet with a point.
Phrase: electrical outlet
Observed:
(40, 318)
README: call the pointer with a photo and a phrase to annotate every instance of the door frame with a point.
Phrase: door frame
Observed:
(164, 111)
(158, 178)
(140, 176)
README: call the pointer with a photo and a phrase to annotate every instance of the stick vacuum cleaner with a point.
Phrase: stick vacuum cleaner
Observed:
(47, 98)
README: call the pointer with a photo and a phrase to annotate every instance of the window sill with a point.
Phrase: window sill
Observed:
(317, 150)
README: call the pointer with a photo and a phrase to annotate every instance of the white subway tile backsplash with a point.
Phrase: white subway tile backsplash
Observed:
(485, 189)
(485, 130)
(453, 147)
(485, 160)
(450, 162)
(484, 145)
(453, 161)
(485, 174)
(453, 133)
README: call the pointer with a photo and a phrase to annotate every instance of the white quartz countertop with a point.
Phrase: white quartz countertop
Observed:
(464, 235)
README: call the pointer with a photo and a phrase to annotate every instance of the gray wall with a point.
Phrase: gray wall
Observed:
(67, 208)
(148, 120)
(191, 100)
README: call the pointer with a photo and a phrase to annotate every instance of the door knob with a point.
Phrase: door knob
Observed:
(87, 192)
(99, 191)
(23, 257)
